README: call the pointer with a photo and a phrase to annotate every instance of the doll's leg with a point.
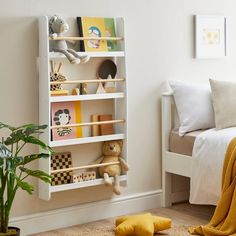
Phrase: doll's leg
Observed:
(116, 187)
(83, 59)
(107, 179)
(69, 56)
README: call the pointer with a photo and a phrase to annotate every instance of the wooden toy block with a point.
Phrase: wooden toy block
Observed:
(95, 128)
(83, 88)
(59, 92)
(77, 178)
(100, 89)
(75, 91)
(110, 87)
(89, 175)
(108, 128)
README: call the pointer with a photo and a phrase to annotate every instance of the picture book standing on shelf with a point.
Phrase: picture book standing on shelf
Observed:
(97, 27)
(66, 113)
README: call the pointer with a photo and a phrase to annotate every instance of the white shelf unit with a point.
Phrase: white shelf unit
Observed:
(117, 99)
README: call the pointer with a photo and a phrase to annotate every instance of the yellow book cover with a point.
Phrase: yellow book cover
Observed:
(93, 27)
(78, 118)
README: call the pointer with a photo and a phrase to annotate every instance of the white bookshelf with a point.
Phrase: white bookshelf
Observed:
(116, 102)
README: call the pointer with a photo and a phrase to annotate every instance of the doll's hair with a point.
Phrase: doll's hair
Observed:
(58, 113)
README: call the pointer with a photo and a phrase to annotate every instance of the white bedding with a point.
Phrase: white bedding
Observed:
(208, 157)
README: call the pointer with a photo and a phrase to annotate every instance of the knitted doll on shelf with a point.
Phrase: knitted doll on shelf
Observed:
(58, 26)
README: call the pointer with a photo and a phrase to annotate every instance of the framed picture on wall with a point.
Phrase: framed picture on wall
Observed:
(210, 36)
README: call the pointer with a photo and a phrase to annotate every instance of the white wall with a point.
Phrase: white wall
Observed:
(159, 42)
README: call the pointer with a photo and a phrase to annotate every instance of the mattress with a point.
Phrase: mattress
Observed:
(183, 144)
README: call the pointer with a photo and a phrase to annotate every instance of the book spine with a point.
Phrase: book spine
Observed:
(95, 128)
(80, 29)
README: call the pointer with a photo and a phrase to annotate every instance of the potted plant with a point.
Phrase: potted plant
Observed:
(14, 169)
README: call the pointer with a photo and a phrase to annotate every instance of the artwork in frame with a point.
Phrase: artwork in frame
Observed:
(210, 36)
(66, 113)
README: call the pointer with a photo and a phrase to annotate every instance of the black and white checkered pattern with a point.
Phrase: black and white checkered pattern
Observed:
(61, 161)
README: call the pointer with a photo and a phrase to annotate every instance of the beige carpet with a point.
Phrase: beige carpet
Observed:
(183, 216)
(105, 228)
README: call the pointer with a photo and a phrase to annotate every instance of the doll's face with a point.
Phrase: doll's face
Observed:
(95, 33)
(64, 118)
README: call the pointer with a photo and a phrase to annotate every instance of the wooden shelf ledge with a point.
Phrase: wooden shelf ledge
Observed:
(84, 184)
(87, 81)
(86, 38)
(85, 167)
(88, 124)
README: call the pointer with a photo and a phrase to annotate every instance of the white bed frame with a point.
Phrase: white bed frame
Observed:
(172, 163)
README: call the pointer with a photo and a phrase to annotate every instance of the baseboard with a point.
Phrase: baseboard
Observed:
(69, 216)
(180, 196)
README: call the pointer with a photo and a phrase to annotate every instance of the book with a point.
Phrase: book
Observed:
(66, 113)
(92, 27)
(108, 128)
(95, 128)
(110, 32)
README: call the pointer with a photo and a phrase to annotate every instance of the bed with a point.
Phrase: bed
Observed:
(197, 155)
(172, 162)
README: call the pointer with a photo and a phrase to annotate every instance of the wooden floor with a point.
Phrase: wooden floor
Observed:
(182, 215)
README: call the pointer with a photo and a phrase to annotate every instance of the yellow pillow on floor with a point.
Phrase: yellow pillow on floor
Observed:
(140, 225)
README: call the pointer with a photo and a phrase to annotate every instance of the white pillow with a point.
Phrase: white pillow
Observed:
(224, 103)
(194, 106)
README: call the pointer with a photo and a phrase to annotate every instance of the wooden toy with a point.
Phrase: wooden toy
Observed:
(95, 128)
(100, 89)
(89, 175)
(77, 178)
(75, 91)
(108, 128)
(107, 70)
(59, 92)
(110, 86)
(56, 76)
(83, 88)
(61, 161)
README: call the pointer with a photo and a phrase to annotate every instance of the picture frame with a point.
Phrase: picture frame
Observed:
(66, 113)
(210, 36)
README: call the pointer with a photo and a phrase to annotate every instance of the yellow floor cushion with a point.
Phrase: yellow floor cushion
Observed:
(141, 225)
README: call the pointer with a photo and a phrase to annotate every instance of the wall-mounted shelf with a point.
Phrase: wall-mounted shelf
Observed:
(114, 104)
(57, 55)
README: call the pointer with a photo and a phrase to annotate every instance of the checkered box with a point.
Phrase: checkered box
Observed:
(61, 161)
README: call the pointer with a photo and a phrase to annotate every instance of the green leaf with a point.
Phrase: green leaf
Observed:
(25, 186)
(16, 161)
(32, 157)
(15, 137)
(36, 141)
(34, 129)
(38, 174)
(4, 151)
(2, 125)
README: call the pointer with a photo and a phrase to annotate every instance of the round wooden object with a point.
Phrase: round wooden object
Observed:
(108, 67)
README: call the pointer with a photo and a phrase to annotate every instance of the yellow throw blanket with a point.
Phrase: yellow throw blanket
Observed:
(223, 221)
